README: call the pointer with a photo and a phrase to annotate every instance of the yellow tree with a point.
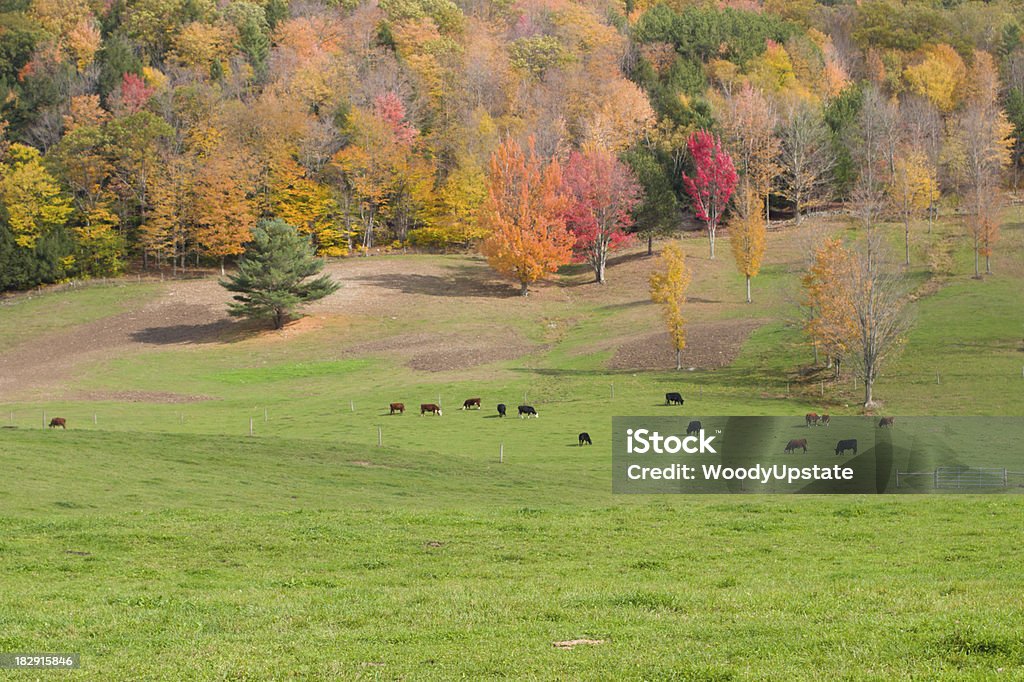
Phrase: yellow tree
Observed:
(940, 77)
(913, 190)
(831, 318)
(223, 218)
(748, 236)
(668, 288)
(308, 205)
(524, 216)
(31, 196)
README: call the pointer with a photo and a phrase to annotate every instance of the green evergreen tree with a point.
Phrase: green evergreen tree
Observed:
(272, 274)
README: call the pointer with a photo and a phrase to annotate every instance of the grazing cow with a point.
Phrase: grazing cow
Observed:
(58, 421)
(811, 418)
(886, 421)
(694, 427)
(673, 399)
(585, 438)
(397, 407)
(471, 402)
(501, 409)
(431, 408)
(796, 443)
(527, 411)
(844, 445)
(825, 419)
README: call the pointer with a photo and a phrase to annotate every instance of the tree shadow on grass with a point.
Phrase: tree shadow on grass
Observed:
(221, 331)
(459, 285)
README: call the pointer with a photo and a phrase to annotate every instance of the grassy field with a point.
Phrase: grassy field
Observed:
(161, 541)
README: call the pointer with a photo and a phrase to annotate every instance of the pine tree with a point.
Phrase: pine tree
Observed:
(271, 280)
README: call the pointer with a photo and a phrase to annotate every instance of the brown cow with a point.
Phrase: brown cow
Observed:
(471, 402)
(796, 443)
(886, 421)
(397, 407)
(431, 408)
(58, 421)
(825, 419)
(811, 418)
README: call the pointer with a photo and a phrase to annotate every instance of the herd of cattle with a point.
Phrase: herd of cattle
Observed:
(814, 419)
(672, 398)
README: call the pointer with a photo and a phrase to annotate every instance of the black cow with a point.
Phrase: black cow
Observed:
(886, 421)
(501, 409)
(844, 445)
(585, 438)
(673, 399)
(527, 411)
(694, 427)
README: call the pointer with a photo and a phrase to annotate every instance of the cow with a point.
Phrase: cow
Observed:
(431, 408)
(825, 419)
(397, 407)
(694, 427)
(792, 445)
(844, 445)
(673, 399)
(527, 411)
(886, 421)
(585, 438)
(811, 419)
(501, 409)
(58, 421)
(471, 402)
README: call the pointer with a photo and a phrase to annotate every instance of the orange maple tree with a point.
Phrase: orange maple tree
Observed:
(524, 215)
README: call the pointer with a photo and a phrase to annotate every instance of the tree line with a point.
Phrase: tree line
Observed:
(160, 132)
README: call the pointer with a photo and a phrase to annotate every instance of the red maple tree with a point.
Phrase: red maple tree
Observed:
(713, 182)
(602, 194)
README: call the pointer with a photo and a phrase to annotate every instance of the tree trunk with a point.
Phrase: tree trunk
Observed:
(711, 243)
(748, 289)
(222, 273)
(599, 272)
(868, 400)
(524, 289)
(279, 316)
(814, 345)
(767, 209)
(679, 358)
(977, 271)
(650, 244)
(906, 239)
(988, 264)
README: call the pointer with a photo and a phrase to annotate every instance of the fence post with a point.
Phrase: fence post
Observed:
(380, 437)
(250, 426)
(44, 419)
(265, 417)
(613, 390)
(352, 405)
(95, 418)
(501, 453)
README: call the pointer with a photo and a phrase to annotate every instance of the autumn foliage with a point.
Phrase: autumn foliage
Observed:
(748, 236)
(668, 288)
(713, 181)
(524, 215)
(602, 194)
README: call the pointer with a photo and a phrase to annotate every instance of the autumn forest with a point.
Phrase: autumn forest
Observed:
(159, 133)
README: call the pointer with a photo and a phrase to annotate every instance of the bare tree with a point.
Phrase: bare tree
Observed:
(877, 137)
(877, 297)
(807, 158)
(984, 136)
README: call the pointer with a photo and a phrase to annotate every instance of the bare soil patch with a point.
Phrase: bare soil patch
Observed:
(709, 345)
(573, 643)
